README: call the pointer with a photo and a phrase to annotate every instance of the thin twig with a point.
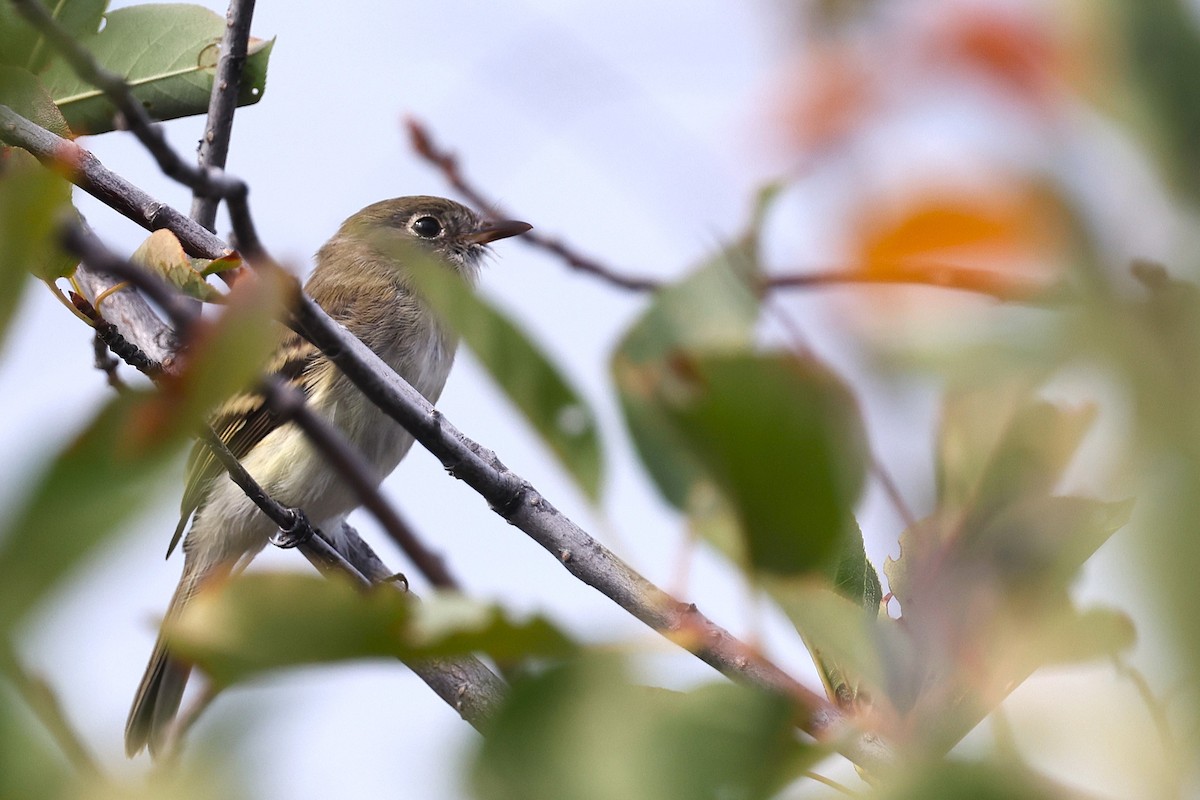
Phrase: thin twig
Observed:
(218, 128)
(447, 163)
(994, 283)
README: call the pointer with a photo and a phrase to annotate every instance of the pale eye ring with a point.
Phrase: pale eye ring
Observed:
(426, 227)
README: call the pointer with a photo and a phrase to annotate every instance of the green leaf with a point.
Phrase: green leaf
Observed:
(32, 202)
(29, 765)
(262, 622)
(583, 731)
(1163, 56)
(944, 779)
(22, 46)
(448, 624)
(226, 355)
(855, 577)
(24, 94)
(711, 310)
(1038, 544)
(782, 440)
(100, 481)
(168, 55)
(558, 413)
(860, 654)
(163, 254)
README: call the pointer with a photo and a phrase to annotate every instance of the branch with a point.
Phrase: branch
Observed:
(994, 283)
(85, 171)
(214, 147)
(517, 501)
(447, 163)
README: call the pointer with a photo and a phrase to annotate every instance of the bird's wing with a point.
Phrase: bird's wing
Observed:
(240, 423)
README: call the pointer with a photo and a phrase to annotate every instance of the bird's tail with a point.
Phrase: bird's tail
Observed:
(161, 690)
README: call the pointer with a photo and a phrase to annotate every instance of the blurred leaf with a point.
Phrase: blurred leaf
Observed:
(1068, 636)
(30, 767)
(22, 46)
(167, 53)
(548, 402)
(226, 355)
(1015, 221)
(711, 310)
(162, 254)
(1039, 543)
(117, 464)
(33, 202)
(840, 634)
(1164, 57)
(583, 731)
(447, 624)
(262, 622)
(102, 479)
(782, 439)
(954, 780)
(995, 444)
(23, 93)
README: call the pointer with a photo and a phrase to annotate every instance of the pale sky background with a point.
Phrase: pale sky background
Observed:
(637, 131)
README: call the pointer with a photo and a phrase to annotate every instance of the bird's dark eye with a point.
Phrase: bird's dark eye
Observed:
(426, 227)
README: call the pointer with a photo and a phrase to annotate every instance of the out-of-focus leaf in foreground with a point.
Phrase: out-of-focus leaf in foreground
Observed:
(101, 480)
(32, 202)
(982, 582)
(29, 766)
(581, 730)
(262, 622)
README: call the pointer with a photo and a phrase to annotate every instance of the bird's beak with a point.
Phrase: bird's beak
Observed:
(492, 231)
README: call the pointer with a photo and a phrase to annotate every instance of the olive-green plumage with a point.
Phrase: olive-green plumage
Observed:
(361, 281)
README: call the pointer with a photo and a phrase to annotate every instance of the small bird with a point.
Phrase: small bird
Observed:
(367, 289)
